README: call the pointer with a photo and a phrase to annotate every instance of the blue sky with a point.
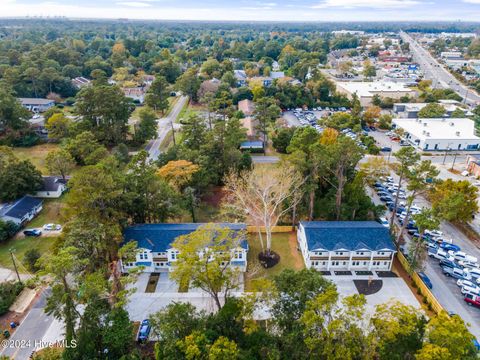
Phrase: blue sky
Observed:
(275, 10)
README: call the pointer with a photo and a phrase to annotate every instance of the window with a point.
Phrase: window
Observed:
(344, 263)
(339, 253)
(360, 252)
(143, 255)
(240, 255)
(385, 263)
(364, 263)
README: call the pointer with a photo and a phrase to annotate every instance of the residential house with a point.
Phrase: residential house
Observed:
(22, 210)
(37, 104)
(252, 146)
(136, 93)
(154, 243)
(53, 187)
(80, 82)
(241, 77)
(345, 245)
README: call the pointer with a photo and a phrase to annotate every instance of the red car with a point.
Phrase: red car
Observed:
(471, 299)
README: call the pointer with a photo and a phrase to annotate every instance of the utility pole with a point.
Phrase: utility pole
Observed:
(446, 152)
(173, 132)
(11, 250)
(454, 158)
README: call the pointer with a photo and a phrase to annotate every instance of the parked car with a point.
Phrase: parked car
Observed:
(474, 273)
(434, 233)
(468, 265)
(461, 256)
(449, 263)
(465, 282)
(425, 279)
(385, 198)
(447, 247)
(386, 149)
(440, 255)
(453, 272)
(143, 331)
(384, 222)
(472, 300)
(474, 290)
(32, 232)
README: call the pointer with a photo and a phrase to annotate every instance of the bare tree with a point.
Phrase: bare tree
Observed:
(265, 195)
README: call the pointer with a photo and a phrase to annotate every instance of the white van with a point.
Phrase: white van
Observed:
(470, 290)
(474, 273)
(461, 256)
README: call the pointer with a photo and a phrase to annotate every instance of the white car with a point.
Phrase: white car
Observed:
(474, 273)
(441, 255)
(468, 264)
(434, 233)
(465, 282)
(461, 256)
(474, 290)
(51, 227)
(384, 222)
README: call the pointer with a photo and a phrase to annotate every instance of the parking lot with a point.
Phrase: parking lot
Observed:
(445, 288)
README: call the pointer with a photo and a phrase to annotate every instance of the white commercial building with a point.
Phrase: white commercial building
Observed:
(440, 134)
(367, 90)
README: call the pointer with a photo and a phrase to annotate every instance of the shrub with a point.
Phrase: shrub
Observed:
(8, 293)
(30, 259)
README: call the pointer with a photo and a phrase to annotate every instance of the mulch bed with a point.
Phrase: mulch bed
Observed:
(268, 260)
(386, 274)
(327, 273)
(363, 273)
(368, 287)
(343, 272)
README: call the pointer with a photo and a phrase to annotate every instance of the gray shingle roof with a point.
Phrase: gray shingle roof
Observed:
(21, 208)
(348, 235)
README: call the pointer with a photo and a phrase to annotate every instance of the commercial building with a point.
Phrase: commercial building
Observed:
(345, 245)
(440, 134)
(367, 90)
(451, 55)
(155, 252)
(411, 110)
(37, 104)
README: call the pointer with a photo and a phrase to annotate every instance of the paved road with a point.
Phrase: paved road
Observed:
(164, 125)
(259, 159)
(35, 329)
(434, 71)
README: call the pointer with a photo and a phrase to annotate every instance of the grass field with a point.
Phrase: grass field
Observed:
(285, 245)
(20, 246)
(52, 212)
(36, 154)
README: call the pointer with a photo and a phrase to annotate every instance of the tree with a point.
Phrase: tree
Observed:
(266, 112)
(425, 220)
(293, 291)
(406, 157)
(371, 114)
(335, 331)
(117, 334)
(385, 122)
(398, 331)
(178, 173)
(265, 195)
(448, 334)
(281, 139)
(13, 116)
(189, 83)
(106, 110)
(148, 197)
(147, 126)
(432, 110)
(223, 349)
(157, 95)
(60, 162)
(421, 179)
(369, 70)
(85, 149)
(58, 126)
(204, 260)
(62, 302)
(18, 178)
(7, 230)
(455, 200)
(337, 162)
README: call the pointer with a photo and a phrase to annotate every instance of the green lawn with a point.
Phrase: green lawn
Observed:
(52, 212)
(21, 245)
(36, 154)
(283, 244)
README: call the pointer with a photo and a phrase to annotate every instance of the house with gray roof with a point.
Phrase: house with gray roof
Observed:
(154, 243)
(345, 245)
(53, 187)
(36, 105)
(22, 210)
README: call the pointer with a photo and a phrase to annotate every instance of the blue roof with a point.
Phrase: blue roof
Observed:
(251, 144)
(348, 235)
(22, 207)
(158, 237)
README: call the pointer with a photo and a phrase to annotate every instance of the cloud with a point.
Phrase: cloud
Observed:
(472, 1)
(136, 4)
(377, 4)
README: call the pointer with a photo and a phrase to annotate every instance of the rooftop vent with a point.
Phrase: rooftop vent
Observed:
(428, 134)
(457, 133)
(452, 124)
(424, 124)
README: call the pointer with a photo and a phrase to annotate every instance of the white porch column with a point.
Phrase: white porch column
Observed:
(371, 261)
(350, 260)
(329, 258)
